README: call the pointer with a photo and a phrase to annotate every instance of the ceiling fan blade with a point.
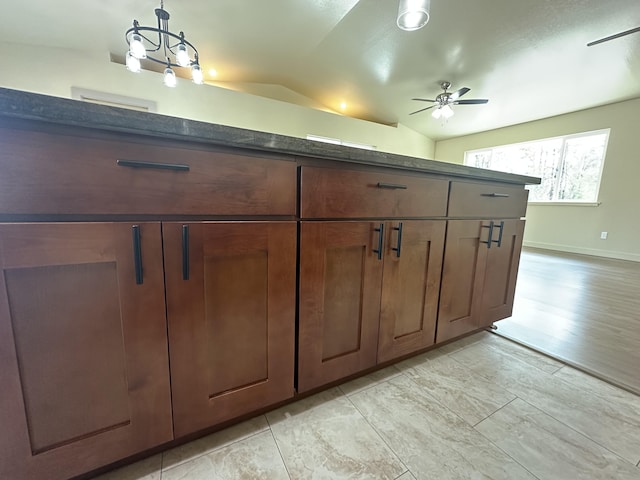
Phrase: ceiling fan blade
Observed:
(421, 110)
(459, 93)
(613, 37)
(473, 101)
(423, 100)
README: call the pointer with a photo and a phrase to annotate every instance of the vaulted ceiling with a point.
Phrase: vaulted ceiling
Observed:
(528, 57)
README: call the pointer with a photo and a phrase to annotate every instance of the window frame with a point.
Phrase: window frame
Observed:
(563, 149)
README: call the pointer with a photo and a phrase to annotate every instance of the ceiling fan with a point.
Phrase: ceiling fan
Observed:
(613, 37)
(445, 99)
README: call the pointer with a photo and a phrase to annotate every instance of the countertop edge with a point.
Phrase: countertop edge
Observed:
(63, 111)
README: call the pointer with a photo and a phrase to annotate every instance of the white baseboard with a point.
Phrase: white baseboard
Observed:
(634, 257)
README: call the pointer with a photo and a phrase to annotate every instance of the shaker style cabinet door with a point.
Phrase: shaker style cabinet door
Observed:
(479, 274)
(231, 290)
(501, 271)
(84, 368)
(410, 287)
(340, 279)
(462, 277)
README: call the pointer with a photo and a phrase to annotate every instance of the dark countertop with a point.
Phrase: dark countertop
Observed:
(32, 106)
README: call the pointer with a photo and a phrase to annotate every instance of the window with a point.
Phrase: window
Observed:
(337, 141)
(112, 100)
(570, 166)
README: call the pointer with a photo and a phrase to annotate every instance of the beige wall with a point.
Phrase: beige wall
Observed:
(55, 71)
(577, 228)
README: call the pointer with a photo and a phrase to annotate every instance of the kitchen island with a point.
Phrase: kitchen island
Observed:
(163, 277)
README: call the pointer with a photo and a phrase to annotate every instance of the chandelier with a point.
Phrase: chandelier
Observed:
(167, 48)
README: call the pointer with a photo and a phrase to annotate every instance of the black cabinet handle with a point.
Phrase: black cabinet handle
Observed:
(380, 231)
(490, 236)
(137, 253)
(185, 252)
(495, 195)
(399, 244)
(153, 165)
(499, 241)
(393, 186)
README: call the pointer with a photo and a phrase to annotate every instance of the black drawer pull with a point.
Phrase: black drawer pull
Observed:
(399, 244)
(499, 241)
(495, 195)
(381, 234)
(137, 253)
(154, 165)
(490, 236)
(393, 186)
(185, 252)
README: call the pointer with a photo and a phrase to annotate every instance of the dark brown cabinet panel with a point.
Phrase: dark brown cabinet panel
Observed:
(231, 312)
(67, 174)
(479, 274)
(340, 278)
(410, 287)
(82, 346)
(340, 193)
(501, 272)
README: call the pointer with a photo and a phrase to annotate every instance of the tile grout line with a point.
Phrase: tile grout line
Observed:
(278, 447)
(215, 449)
(546, 413)
(579, 433)
(497, 446)
(376, 430)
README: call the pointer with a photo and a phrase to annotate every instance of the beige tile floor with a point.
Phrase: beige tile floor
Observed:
(480, 408)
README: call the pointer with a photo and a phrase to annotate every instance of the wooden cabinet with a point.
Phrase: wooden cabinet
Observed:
(85, 340)
(479, 274)
(368, 294)
(410, 287)
(84, 374)
(368, 289)
(340, 278)
(231, 312)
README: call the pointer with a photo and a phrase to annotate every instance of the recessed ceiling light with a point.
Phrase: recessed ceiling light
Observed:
(343, 105)
(213, 72)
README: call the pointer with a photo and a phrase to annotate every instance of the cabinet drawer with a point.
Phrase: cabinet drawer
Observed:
(44, 173)
(487, 200)
(336, 193)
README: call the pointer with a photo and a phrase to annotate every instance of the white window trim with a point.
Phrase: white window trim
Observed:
(113, 100)
(564, 138)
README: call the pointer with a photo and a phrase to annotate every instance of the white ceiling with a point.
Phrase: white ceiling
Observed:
(528, 57)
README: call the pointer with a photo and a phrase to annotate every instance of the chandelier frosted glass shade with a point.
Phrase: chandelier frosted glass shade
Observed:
(444, 111)
(413, 14)
(160, 45)
(170, 77)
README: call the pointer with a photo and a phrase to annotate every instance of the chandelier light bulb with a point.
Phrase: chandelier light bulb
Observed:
(196, 74)
(182, 56)
(133, 64)
(413, 14)
(170, 77)
(136, 47)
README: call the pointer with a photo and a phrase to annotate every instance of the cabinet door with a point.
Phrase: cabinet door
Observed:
(340, 279)
(410, 287)
(231, 318)
(465, 253)
(83, 347)
(501, 271)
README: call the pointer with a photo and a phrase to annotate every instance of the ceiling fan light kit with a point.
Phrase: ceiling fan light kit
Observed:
(413, 14)
(444, 100)
(174, 48)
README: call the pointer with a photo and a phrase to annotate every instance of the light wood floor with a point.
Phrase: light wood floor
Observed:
(582, 310)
